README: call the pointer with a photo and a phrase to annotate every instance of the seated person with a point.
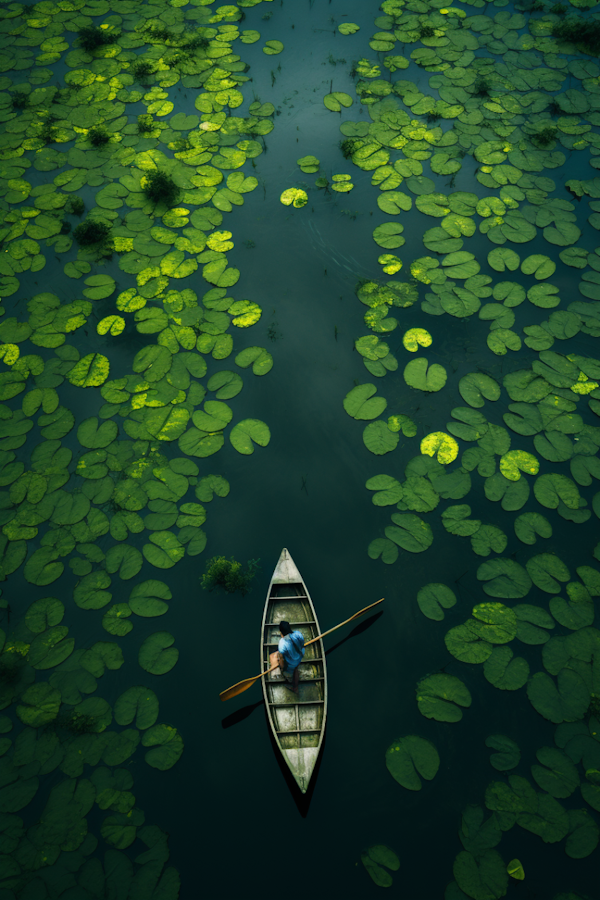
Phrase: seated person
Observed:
(291, 650)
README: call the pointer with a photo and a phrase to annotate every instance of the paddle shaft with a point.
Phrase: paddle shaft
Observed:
(335, 628)
(242, 686)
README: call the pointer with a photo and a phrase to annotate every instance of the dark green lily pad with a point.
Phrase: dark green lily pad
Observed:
(411, 756)
(137, 703)
(157, 654)
(432, 597)
(508, 755)
(441, 696)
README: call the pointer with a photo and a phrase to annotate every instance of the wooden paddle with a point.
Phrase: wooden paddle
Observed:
(242, 686)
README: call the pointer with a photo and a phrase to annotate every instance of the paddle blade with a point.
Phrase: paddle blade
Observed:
(238, 688)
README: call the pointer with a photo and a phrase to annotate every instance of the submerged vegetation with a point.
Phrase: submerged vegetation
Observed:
(229, 575)
(584, 32)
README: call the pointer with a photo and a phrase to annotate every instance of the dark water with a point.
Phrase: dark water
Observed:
(237, 826)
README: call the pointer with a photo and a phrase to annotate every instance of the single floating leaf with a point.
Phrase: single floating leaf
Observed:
(432, 597)
(508, 755)
(157, 654)
(375, 858)
(411, 756)
(440, 697)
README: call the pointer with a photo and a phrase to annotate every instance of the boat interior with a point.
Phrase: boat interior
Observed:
(297, 718)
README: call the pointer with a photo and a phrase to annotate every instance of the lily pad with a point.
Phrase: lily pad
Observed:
(248, 431)
(418, 374)
(410, 532)
(483, 878)
(530, 525)
(411, 756)
(167, 746)
(508, 755)
(476, 387)
(148, 599)
(440, 697)
(566, 701)
(379, 438)
(432, 597)
(504, 578)
(375, 858)
(361, 404)
(384, 548)
(39, 705)
(556, 775)
(157, 654)
(137, 703)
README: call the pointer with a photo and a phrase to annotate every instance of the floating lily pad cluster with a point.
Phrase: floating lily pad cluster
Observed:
(514, 102)
(138, 477)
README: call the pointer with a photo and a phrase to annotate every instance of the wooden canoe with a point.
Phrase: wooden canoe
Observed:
(297, 720)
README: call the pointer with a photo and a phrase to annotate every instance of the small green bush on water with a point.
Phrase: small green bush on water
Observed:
(579, 31)
(157, 33)
(196, 42)
(545, 136)
(347, 147)
(98, 137)
(9, 668)
(20, 101)
(161, 188)
(229, 574)
(145, 124)
(481, 88)
(48, 132)
(142, 69)
(91, 38)
(91, 232)
(75, 723)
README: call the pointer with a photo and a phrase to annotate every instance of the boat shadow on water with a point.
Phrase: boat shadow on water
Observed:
(358, 629)
(301, 800)
(240, 714)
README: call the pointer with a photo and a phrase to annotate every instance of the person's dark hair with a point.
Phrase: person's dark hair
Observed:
(285, 627)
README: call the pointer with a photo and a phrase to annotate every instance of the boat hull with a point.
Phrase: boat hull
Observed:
(297, 720)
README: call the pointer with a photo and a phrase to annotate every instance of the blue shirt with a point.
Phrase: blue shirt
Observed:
(288, 647)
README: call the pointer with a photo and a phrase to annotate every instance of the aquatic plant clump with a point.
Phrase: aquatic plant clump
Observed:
(229, 575)
(160, 188)
(98, 137)
(91, 233)
(585, 32)
(145, 124)
(142, 69)
(92, 38)
(74, 206)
